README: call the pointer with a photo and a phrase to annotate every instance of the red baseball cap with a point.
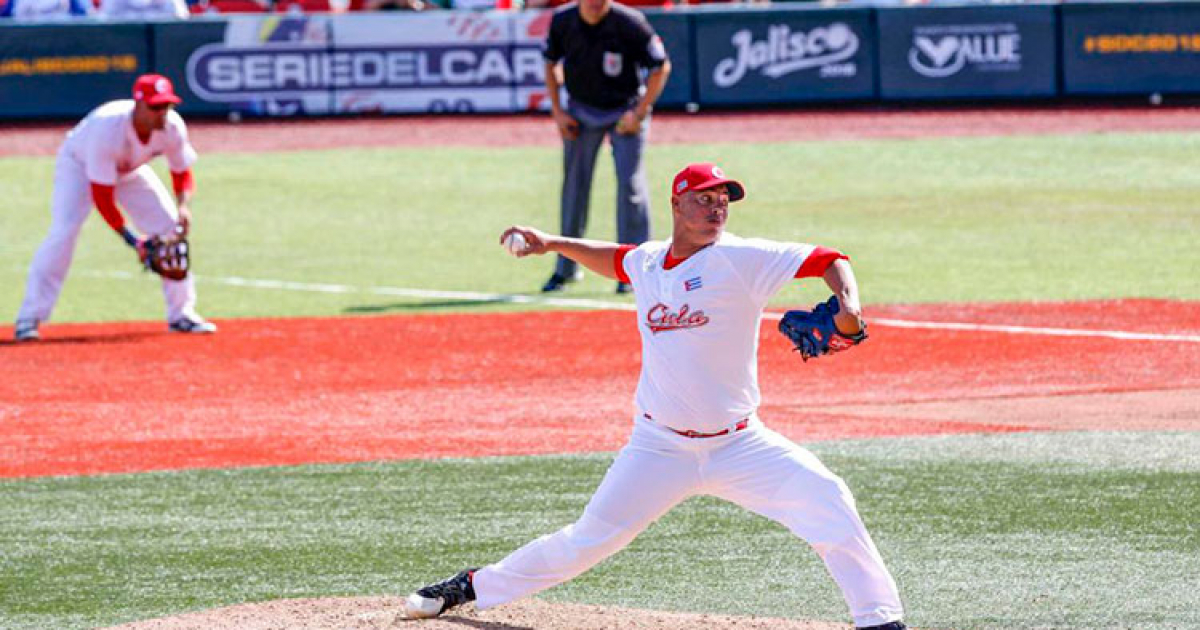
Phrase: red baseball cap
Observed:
(705, 175)
(155, 89)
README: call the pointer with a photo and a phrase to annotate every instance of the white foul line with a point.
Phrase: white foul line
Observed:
(1034, 330)
(464, 296)
(508, 298)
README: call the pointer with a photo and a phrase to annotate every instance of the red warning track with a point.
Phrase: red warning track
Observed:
(108, 398)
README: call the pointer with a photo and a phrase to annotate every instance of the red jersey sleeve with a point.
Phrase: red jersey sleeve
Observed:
(183, 182)
(619, 260)
(818, 261)
(105, 199)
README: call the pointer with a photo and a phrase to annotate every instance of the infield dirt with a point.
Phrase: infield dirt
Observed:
(380, 613)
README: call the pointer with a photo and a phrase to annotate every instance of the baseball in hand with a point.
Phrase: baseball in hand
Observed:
(515, 243)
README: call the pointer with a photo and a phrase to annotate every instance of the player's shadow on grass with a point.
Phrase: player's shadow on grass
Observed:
(421, 306)
(103, 338)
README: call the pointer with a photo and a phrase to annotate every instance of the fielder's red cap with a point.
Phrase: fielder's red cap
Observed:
(705, 175)
(155, 89)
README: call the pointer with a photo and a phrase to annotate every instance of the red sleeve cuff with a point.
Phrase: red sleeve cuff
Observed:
(183, 182)
(619, 261)
(818, 261)
(105, 199)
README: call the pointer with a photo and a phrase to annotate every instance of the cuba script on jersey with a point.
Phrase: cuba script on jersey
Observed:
(699, 323)
(661, 318)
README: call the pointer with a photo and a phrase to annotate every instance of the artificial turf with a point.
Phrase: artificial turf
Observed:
(930, 220)
(1017, 530)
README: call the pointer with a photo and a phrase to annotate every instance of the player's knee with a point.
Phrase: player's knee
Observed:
(816, 487)
(592, 531)
(595, 539)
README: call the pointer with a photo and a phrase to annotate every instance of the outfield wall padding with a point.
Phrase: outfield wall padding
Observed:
(778, 56)
(66, 70)
(968, 52)
(459, 62)
(1131, 48)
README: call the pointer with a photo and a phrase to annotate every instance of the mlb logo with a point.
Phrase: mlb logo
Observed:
(692, 284)
(656, 48)
(612, 63)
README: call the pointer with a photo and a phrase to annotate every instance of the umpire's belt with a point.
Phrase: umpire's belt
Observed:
(742, 424)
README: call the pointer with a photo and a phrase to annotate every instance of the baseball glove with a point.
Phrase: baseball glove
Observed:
(814, 333)
(167, 257)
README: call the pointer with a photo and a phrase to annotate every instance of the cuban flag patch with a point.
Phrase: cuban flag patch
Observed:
(691, 284)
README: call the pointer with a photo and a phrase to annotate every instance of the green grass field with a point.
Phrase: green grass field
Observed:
(1014, 531)
(940, 220)
(1051, 531)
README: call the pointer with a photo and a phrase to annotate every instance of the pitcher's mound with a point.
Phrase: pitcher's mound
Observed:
(378, 613)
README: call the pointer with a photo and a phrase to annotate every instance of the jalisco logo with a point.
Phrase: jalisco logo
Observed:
(784, 52)
(660, 318)
(945, 50)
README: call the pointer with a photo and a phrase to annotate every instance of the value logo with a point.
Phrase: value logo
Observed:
(943, 51)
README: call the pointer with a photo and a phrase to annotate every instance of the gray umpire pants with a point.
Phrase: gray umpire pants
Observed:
(579, 163)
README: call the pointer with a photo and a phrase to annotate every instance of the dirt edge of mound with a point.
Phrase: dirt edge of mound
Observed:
(379, 613)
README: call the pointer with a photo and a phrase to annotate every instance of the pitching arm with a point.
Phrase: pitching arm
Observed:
(597, 256)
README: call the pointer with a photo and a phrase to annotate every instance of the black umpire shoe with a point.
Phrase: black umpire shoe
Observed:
(558, 282)
(26, 330)
(623, 288)
(435, 599)
(893, 625)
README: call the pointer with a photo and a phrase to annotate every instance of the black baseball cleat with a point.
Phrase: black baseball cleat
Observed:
(435, 599)
(623, 288)
(558, 282)
(891, 625)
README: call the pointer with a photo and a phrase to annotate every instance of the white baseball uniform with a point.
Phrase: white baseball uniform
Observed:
(696, 431)
(104, 149)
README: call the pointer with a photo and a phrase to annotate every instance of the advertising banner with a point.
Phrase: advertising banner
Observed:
(174, 42)
(529, 30)
(784, 56)
(65, 71)
(439, 61)
(967, 52)
(676, 35)
(1131, 49)
(279, 65)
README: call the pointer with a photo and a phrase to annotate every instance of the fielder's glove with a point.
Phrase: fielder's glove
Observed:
(814, 333)
(167, 257)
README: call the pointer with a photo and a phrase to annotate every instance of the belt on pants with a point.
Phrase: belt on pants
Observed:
(742, 424)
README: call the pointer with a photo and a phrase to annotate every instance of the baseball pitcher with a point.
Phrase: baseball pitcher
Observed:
(700, 298)
(103, 162)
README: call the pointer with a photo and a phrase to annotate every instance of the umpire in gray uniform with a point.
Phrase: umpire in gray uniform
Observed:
(604, 49)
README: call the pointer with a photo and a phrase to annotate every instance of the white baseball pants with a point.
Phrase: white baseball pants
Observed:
(149, 207)
(755, 468)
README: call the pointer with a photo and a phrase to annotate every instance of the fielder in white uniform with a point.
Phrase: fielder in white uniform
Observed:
(700, 299)
(102, 162)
